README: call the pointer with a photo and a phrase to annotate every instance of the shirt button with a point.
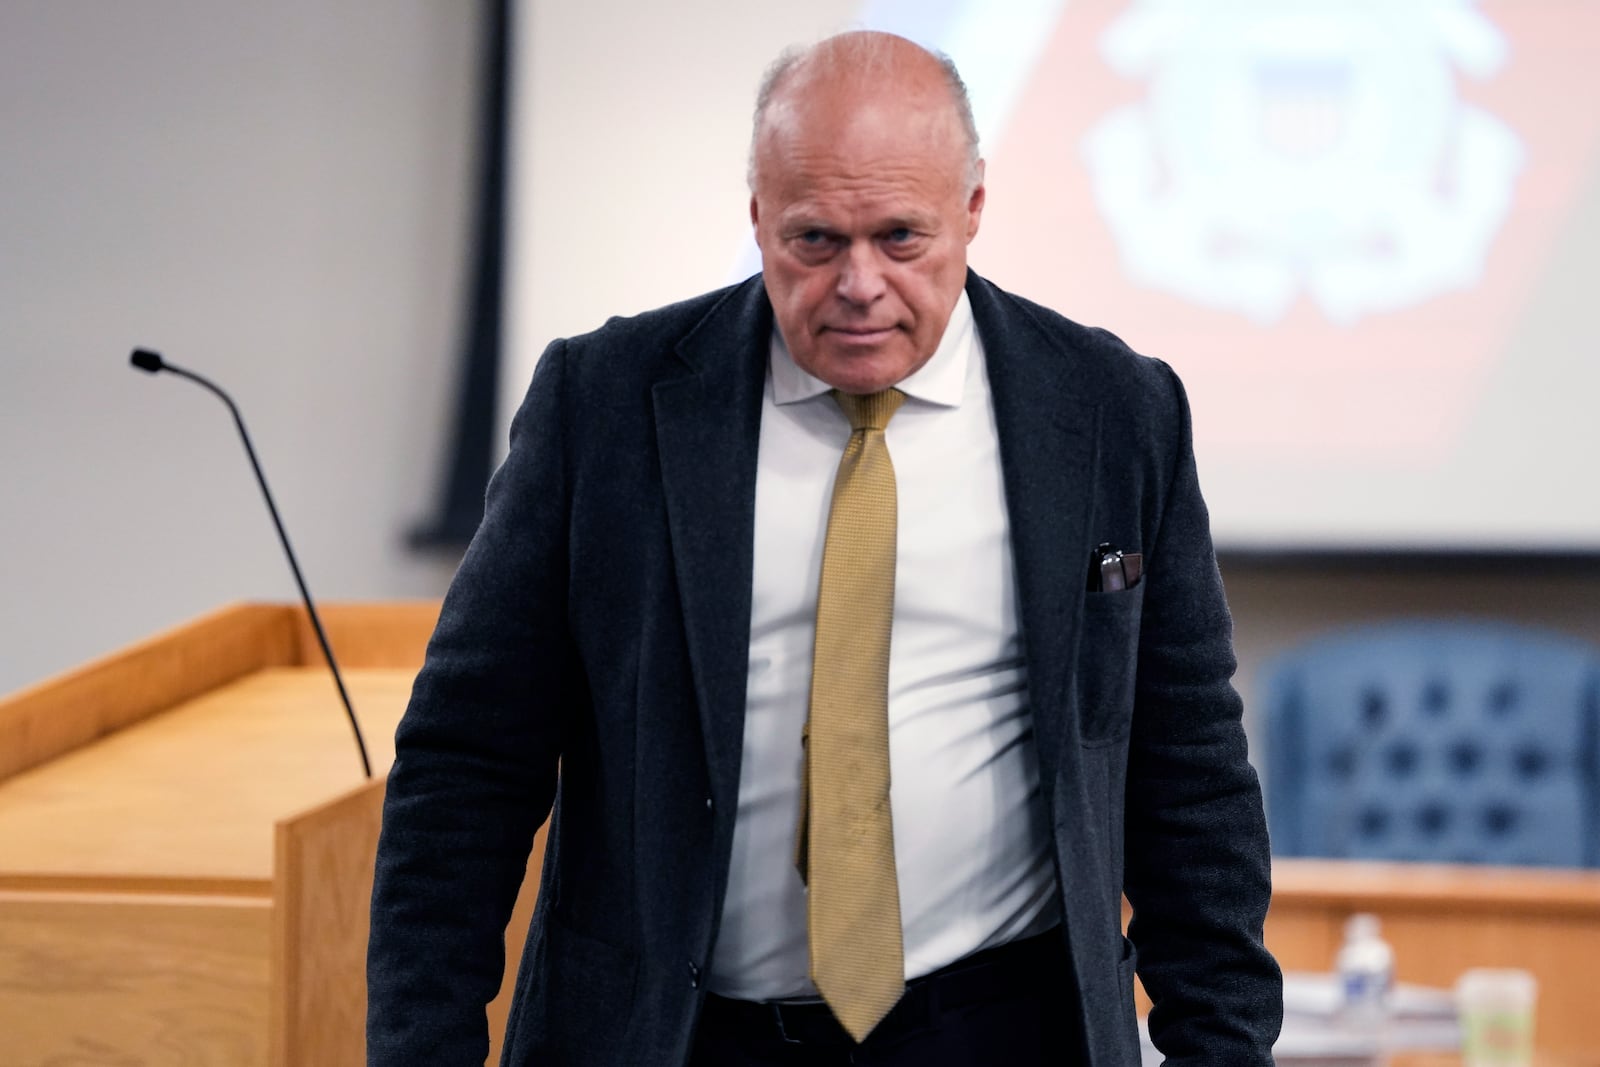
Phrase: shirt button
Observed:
(694, 974)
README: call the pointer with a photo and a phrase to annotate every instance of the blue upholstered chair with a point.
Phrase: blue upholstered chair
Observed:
(1436, 741)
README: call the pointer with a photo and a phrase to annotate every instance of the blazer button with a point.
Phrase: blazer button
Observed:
(708, 803)
(694, 974)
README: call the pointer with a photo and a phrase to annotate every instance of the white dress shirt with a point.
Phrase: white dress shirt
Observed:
(972, 842)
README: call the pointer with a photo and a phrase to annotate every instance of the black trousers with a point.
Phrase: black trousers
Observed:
(1014, 1005)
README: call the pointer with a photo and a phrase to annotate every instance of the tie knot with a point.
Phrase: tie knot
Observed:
(872, 411)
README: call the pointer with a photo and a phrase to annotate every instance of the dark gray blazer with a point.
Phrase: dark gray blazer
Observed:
(600, 621)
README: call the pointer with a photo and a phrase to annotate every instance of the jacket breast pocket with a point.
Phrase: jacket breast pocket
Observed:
(1107, 665)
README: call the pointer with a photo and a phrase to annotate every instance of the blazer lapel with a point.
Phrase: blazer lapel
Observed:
(708, 419)
(1048, 424)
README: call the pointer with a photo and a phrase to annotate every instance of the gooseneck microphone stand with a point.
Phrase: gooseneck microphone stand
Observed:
(146, 360)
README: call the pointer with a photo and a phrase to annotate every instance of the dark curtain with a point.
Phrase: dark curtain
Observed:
(459, 506)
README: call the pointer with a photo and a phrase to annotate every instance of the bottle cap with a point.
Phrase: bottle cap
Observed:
(1361, 926)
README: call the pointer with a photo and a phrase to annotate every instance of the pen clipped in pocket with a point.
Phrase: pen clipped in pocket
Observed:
(1111, 569)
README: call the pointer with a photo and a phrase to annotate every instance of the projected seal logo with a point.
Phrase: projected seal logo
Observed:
(1319, 148)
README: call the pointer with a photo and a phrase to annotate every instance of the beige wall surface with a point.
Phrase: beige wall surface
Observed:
(276, 196)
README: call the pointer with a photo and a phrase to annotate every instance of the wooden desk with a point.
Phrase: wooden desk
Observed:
(1443, 920)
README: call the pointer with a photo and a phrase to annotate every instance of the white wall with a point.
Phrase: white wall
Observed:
(631, 125)
(275, 195)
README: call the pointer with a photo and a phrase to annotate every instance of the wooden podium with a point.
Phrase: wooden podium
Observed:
(186, 844)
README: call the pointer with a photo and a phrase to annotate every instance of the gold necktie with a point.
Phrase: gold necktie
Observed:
(845, 844)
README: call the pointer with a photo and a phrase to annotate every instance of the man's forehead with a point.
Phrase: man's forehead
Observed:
(831, 110)
(860, 140)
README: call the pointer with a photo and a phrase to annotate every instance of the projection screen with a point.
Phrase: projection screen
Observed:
(1365, 233)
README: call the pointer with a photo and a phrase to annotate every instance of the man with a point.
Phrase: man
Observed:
(682, 593)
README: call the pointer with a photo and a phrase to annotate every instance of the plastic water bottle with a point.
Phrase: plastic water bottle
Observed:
(1366, 973)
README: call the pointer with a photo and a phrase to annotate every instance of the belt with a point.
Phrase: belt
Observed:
(1006, 972)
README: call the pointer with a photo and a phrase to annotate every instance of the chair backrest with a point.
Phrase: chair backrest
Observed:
(1456, 742)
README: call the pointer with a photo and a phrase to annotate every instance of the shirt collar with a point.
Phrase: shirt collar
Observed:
(939, 381)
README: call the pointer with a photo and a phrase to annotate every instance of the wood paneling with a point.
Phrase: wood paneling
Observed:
(60, 714)
(194, 793)
(390, 634)
(1490, 890)
(186, 843)
(63, 713)
(132, 981)
(1446, 1059)
(321, 899)
(516, 938)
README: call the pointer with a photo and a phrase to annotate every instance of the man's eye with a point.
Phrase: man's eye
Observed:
(900, 235)
(813, 238)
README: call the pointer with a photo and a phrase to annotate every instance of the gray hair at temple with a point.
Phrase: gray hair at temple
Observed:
(866, 52)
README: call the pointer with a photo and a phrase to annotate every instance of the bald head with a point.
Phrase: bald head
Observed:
(824, 84)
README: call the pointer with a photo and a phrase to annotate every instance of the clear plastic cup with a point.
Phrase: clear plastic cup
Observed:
(1496, 1010)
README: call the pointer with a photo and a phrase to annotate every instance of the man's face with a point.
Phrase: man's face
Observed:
(863, 217)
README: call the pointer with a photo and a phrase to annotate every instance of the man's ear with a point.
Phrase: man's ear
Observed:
(754, 214)
(975, 201)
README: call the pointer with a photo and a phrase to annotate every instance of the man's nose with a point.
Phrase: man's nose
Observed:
(861, 278)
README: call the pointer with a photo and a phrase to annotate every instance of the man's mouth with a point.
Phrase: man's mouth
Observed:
(861, 335)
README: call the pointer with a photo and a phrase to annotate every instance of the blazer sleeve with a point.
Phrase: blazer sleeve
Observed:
(476, 758)
(1197, 861)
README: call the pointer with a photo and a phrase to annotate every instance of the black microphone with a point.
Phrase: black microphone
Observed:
(146, 360)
